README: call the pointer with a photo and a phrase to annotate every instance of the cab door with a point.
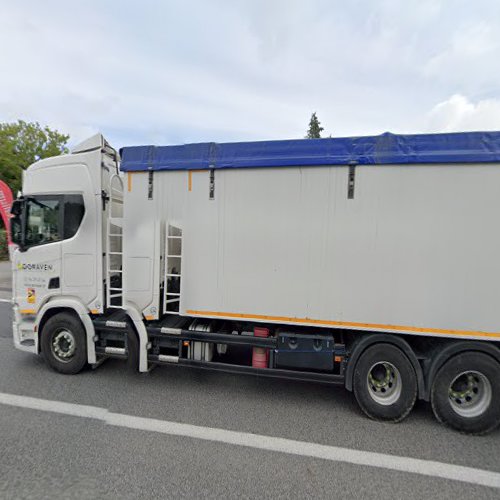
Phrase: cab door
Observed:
(37, 269)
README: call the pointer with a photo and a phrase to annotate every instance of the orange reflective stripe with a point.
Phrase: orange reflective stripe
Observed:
(347, 324)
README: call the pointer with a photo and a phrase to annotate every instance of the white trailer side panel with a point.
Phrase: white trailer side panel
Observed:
(415, 251)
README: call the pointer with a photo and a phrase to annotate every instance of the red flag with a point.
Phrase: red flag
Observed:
(6, 200)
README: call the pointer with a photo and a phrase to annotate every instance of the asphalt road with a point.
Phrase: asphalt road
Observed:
(5, 279)
(49, 455)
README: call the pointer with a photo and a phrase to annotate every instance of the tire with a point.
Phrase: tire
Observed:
(385, 383)
(64, 343)
(465, 393)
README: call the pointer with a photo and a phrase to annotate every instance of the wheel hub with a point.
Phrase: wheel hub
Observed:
(470, 394)
(384, 383)
(64, 345)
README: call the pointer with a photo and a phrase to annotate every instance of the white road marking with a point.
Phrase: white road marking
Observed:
(6, 300)
(302, 448)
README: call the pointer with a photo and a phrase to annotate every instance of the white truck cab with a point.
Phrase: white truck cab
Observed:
(59, 225)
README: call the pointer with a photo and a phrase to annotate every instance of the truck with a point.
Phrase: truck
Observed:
(369, 262)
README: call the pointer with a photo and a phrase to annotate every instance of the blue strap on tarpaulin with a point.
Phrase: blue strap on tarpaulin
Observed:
(463, 147)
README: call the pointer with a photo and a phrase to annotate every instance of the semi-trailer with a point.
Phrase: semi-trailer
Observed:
(370, 262)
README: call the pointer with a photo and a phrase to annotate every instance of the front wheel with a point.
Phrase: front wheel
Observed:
(385, 384)
(64, 343)
(465, 393)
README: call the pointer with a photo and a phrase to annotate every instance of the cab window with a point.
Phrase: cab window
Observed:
(43, 221)
(51, 218)
(74, 210)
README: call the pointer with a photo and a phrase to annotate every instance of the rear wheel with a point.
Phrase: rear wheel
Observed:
(465, 393)
(385, 384)
(64, 343)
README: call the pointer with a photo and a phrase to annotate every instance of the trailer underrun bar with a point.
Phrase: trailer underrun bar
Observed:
(327, 378)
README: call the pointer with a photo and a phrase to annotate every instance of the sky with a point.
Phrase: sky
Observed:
(173, 72)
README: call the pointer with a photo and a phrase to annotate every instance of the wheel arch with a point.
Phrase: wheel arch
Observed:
(361, 345)
(74, 307)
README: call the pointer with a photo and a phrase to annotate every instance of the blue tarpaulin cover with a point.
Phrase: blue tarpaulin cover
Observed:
(463, 147)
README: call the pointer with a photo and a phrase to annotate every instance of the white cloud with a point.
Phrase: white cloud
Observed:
(460, 114)
(469, 58)
(180, 71)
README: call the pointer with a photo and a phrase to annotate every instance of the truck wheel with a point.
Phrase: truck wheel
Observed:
(385, 384)
(64, 343)
(465, 393)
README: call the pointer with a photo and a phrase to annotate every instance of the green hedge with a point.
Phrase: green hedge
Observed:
(4, 251)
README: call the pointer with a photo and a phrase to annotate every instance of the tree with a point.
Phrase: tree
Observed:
(315, 128)
(21, 144)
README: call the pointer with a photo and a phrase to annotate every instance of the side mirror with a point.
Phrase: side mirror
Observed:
(16, 223)
(17, 207)
(16, 232)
